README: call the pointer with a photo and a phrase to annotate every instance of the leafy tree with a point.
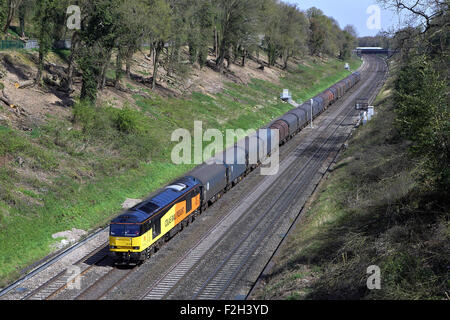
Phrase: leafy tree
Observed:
(131, 32)
(423, 116)
(272, 36)
(23, 11)
(292, 32)
(3, 13)
(382, 39)
(45, 21)
(173, 63)
(236, 28)
(159, 17)
(347, 42)
(98, 35)
(317, 29)
(285, 32)
(200, 21)
(234, 18)
(10, 8)
(421, 89)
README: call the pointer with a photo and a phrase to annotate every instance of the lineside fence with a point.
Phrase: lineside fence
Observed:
(11, 44)
(32, 44)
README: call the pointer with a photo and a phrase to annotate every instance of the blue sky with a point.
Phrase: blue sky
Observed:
(351, 12)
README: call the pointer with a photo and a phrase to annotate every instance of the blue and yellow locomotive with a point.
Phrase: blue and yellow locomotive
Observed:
(141, 230)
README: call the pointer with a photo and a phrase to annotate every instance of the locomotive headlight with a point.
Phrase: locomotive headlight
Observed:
(136, 248)
(112, 247)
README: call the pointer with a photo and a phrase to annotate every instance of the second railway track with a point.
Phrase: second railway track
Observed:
(228, 263)
(231, 261)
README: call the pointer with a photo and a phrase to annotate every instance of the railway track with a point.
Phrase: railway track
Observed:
(164, 287)
(372, 92)
(37, 271)
(220, 279)
(218, 284)
(97, 273)
(108, 281)
(62, 280)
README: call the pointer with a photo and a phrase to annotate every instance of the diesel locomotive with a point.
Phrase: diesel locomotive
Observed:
(143, 229)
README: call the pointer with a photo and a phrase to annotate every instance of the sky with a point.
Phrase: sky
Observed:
(353, 12)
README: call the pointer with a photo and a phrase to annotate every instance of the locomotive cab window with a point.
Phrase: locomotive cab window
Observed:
(189, 201)
(156, 227)
(125, 230)
(146, 226)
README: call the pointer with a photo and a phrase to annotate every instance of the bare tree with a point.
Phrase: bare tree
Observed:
(12, 5)
(418, 12)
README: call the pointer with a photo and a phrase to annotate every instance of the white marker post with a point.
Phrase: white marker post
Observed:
(312, 114)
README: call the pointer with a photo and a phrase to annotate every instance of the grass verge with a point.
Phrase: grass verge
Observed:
(75, 174)
(367, 212)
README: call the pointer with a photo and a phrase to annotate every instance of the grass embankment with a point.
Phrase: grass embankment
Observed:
(368, 211)
(77, 173)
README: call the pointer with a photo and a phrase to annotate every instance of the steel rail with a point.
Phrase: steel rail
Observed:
(286, 195)
(363, 69)
(373, 96)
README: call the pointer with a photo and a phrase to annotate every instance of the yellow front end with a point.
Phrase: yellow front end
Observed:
(129, 248)
(130, 244)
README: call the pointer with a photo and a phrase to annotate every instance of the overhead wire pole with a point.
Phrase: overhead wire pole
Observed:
(312, 126)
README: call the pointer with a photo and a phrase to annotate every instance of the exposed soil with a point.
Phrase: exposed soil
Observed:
(36, 103)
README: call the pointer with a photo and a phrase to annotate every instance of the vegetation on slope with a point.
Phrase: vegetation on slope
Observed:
(76, 172)
(386, 202)
(369, 211)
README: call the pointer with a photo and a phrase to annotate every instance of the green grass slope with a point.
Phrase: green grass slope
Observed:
(367, 212)
(75, 173)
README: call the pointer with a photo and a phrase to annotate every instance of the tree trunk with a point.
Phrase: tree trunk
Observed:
(40, 66)
(216, 43)
(285, 60)
(128, 67)
(118, 68)
(11, 9)
(22, 13)
(221, 58)
(22, 27)
(169, 53)
(156, 53)
(128, 55)
(71, 67)
(104, 71)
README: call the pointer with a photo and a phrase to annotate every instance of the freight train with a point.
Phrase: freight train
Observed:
(143, 229)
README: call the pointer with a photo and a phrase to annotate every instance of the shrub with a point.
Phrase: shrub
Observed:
(84, 114)
(96, 122)
(420, 99)
(128, 120)
(11, 143)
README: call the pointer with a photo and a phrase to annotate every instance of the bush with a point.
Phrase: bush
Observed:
(84, 114)
(11, 143)
(128, 120)
(96, 122)
(120, 130)
(421, 102)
